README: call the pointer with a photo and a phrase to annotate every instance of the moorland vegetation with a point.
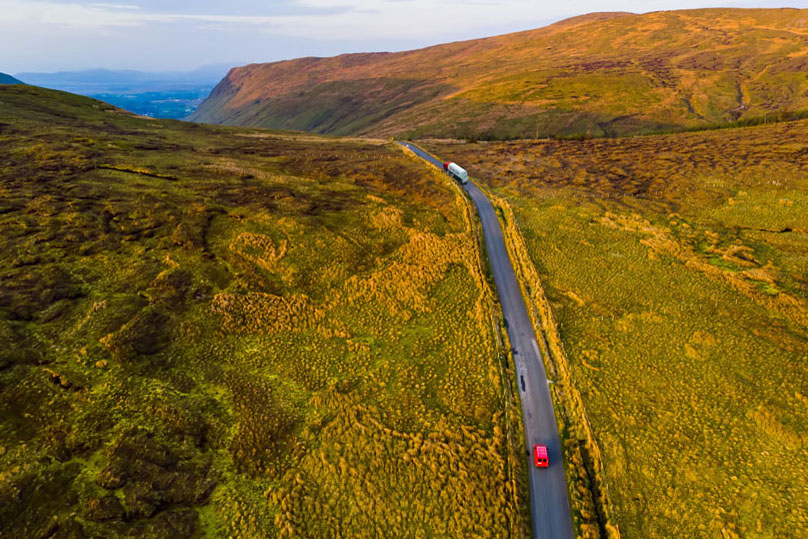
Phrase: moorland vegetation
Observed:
(676, 269)
(229, 332)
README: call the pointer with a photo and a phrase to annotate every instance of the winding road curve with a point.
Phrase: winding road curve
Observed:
(549, 502)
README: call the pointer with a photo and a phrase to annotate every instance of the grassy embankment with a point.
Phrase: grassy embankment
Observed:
(225, 332)
(677, 271)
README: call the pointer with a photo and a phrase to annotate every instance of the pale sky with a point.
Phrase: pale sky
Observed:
(154, 35)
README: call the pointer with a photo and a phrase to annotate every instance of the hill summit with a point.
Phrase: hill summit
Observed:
(598, 74)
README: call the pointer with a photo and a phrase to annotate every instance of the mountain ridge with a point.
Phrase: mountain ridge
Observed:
(597, 74)
(104, 74)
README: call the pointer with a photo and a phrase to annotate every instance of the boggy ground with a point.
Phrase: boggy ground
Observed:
(677, 269)
(225, 332)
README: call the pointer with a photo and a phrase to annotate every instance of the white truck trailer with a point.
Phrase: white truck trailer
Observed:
(457, 172)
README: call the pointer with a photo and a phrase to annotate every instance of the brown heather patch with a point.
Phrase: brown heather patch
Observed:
(256, 312)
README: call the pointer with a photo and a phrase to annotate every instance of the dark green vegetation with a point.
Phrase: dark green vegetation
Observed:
(677, 270)
(601, 74)
(8, 79)
(226, 332)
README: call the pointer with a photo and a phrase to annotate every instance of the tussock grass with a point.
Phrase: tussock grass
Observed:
(676, 268)
(293, 338)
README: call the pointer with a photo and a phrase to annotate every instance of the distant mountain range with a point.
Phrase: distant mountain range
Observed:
(8, 79)
(97, 81)
(599, 74)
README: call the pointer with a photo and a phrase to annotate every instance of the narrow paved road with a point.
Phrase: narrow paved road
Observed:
(549, 503)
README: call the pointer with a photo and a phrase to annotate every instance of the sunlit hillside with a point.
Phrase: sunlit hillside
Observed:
(600, 74)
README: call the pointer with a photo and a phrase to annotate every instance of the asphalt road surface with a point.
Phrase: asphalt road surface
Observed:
(549, 502)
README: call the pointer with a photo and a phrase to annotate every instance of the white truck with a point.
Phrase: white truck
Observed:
(456, 171)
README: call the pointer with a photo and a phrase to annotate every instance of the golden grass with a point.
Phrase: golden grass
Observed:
(676, 270)
(290, 338)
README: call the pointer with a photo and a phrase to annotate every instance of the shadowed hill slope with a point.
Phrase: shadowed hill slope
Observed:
(8, 79)
(599, 74)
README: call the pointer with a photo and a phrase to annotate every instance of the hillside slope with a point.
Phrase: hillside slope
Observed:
(8, 79)
(605, 73)
(221, 332)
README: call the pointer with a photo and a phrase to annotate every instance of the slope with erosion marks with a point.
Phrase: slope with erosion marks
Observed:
(600, 74)
(223, 332)
(677, 271)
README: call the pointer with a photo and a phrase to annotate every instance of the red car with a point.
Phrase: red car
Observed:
(540, 456)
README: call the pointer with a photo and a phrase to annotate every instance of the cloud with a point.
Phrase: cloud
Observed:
(403, 18)
(113, 6)
(326, 19)
(34, 12)
(105, 15)
(145, 33)
(318, 19)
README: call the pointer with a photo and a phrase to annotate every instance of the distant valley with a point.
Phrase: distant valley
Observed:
(157, 95)
(168, 104)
